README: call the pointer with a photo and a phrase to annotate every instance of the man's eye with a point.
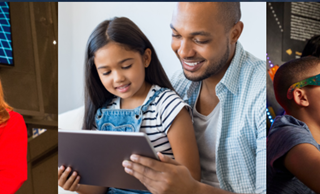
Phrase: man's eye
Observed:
(201, 42)
(127, 67)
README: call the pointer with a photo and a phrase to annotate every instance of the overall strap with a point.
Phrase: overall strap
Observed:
(99, 111)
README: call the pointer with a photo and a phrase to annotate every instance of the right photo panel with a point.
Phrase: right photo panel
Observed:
(293, 102)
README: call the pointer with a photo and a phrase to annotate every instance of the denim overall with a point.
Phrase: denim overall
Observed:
(123, 120)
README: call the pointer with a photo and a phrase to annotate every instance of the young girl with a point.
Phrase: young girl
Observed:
(128, 90)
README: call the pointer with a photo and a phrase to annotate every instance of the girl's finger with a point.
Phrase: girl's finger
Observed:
(63, 178)
(70, 181)
(75, 185)
(60, 171)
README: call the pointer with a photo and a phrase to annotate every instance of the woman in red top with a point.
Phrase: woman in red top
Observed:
(13, 148)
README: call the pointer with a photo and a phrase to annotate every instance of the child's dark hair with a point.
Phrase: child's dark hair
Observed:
(123, 31)
(289, 73)
(312, 47)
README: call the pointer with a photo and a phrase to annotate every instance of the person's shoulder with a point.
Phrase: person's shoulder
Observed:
(251, 59)
(289, 130)
(15, 117)
(165, 96)
(177, 77)
(286, 133)
(252, 78)
(180, 83)
(15, 122)
(287, 122)
(163, 92)
(253, 65)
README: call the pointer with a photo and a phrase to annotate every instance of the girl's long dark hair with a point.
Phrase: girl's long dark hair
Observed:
(123, 31)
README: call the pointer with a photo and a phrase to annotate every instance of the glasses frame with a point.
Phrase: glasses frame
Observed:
(311, 81)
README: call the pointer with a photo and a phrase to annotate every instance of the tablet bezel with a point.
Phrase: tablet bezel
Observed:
(117, 145)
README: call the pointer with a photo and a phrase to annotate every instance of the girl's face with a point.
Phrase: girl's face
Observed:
(121, 71)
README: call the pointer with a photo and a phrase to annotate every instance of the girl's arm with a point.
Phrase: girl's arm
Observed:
(72, 183)
(303, 162)
(183, 142)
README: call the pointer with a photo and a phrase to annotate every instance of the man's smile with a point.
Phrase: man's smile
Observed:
(192, 65)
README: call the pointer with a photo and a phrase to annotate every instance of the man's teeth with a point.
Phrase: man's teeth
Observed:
(192, 64)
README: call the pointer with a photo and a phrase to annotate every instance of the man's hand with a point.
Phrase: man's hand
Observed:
(167, 176)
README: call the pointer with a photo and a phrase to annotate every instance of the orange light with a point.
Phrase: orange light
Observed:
(272, 71)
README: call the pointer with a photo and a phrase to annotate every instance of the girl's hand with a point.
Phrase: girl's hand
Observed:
(70, 183)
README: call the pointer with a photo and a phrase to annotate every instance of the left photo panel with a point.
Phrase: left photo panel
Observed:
(28, 97)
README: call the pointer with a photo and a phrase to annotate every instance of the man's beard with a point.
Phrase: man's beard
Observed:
(213, 69)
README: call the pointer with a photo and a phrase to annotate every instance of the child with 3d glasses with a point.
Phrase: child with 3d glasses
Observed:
(293, 157)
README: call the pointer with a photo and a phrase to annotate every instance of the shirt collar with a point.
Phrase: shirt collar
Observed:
(231, 78)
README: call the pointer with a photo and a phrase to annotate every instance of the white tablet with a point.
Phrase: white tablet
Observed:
(97, 156)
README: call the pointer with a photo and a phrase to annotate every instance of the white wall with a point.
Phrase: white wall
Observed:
(77, 20)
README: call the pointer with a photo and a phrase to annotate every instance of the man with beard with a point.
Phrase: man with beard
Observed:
(226, 88)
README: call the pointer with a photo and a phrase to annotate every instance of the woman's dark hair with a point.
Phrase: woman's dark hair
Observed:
(312, 47)
(123, 31)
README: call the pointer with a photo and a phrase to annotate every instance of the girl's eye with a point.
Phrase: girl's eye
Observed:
(106, 73)
(127, 67)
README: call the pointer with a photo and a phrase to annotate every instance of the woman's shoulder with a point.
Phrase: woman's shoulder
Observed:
(15, 118)
(15, 115)
(14, 125)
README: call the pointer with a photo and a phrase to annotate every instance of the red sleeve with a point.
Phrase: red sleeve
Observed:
(13, 154)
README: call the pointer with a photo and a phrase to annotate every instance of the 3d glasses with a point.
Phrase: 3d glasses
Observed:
(312, 81)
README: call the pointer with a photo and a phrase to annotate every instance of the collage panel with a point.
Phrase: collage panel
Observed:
(209, 97)
(110, 82)
(28, 97)
(293, 52)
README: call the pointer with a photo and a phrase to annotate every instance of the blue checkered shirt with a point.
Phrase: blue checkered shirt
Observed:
(241, 132)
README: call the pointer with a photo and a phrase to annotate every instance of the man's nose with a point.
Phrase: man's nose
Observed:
(186, 49)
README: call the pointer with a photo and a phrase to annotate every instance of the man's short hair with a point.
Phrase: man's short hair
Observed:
(229, 14)
(290, 73)
(312, 47)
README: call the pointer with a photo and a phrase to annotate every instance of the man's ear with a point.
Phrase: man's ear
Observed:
(236, 32)
(300, 97)
(147, 57)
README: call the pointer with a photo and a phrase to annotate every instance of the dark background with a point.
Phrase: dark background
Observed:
(31, 88)
(279, 41)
